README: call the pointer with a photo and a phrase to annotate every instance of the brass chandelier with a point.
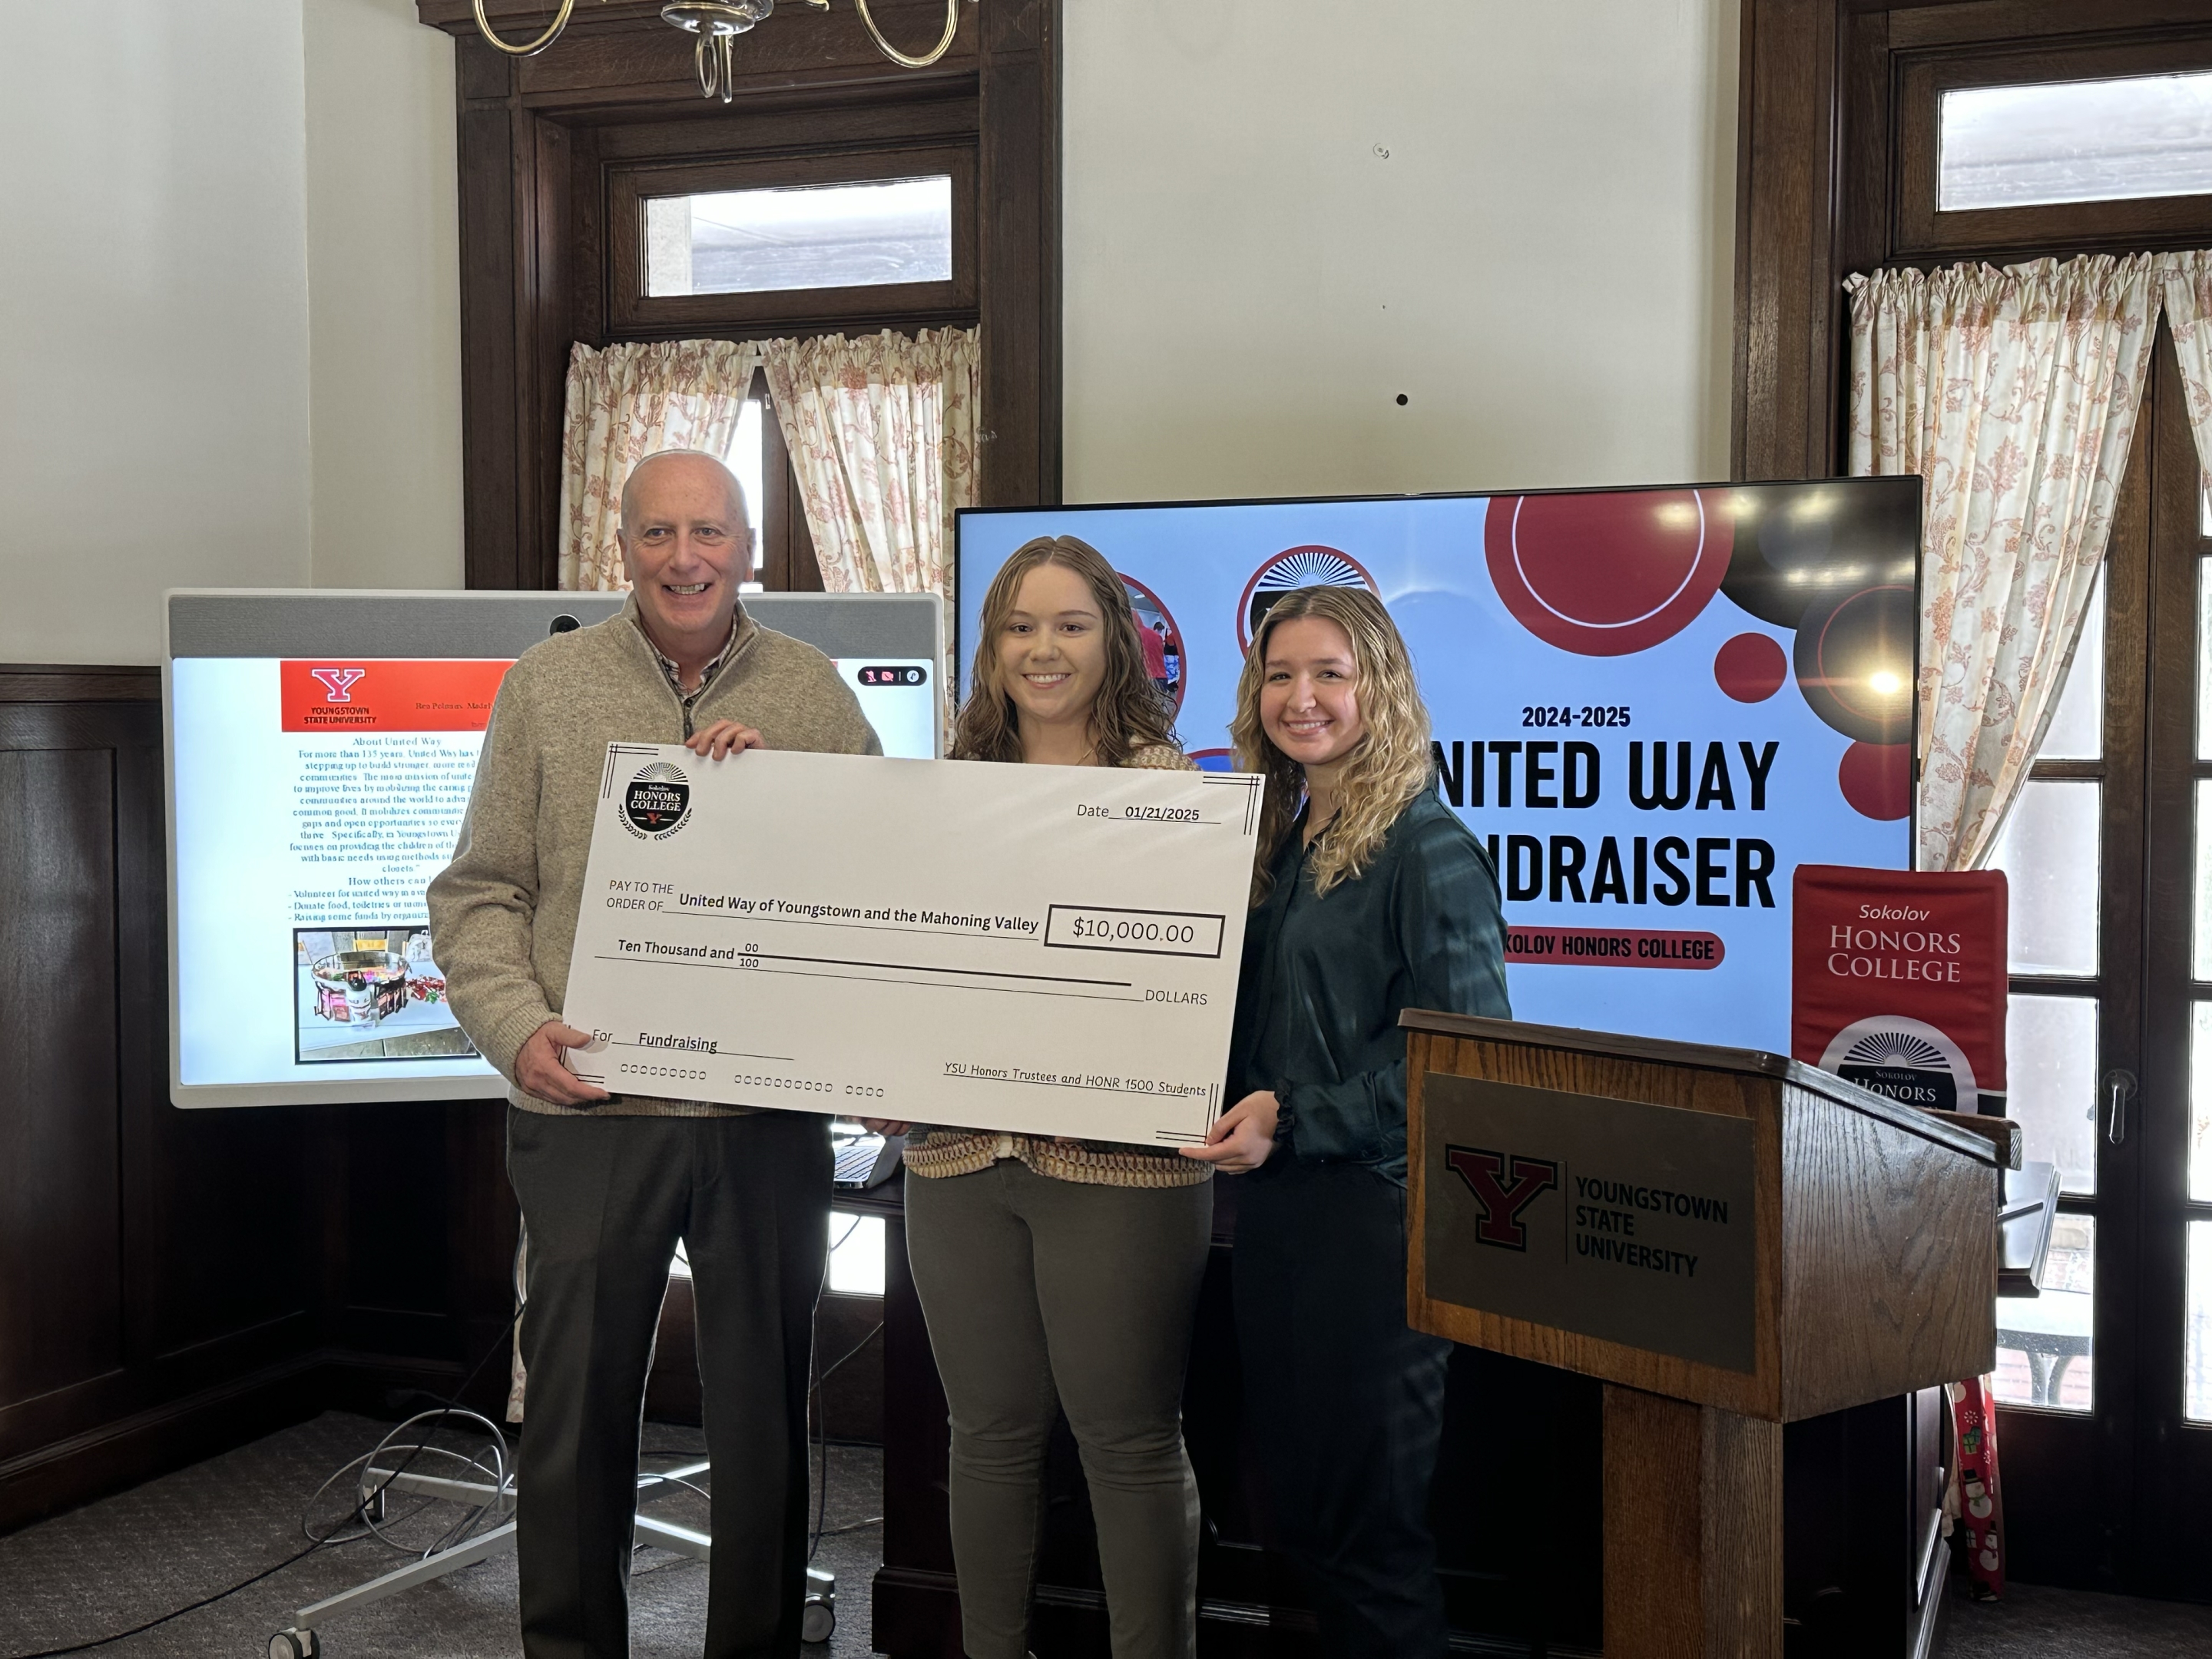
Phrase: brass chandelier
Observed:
(718, 24)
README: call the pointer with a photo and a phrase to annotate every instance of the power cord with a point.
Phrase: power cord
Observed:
(814, 1398)
(360, 1514)
(500, 1475)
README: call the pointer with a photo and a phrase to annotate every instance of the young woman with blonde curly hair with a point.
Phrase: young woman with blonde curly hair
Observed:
(1061, 1275)
(1371, 898)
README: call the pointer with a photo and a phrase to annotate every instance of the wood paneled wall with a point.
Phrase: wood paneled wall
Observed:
(143, 1317)
(172, 1283)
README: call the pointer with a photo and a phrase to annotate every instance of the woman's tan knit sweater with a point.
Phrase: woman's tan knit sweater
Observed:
(933, 1152)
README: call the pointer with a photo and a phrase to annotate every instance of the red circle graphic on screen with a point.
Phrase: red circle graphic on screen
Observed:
(1750, 667)
(1313, 565)
(1603, 575)
(1166, 662)
(1876, 779)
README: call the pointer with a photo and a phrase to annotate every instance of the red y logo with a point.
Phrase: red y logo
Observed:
(337, 681)
(1504, 1185)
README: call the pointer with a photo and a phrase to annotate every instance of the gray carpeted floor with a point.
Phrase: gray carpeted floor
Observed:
(118, 1563)
(2035, 1623)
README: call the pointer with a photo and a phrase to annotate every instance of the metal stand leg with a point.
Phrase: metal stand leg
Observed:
(299, 1641)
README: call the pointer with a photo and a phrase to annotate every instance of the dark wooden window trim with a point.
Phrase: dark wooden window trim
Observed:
(631, 308)
(788, 561)
(532, 252)
(1818, 192)
(1922, 230)
(1826, 189)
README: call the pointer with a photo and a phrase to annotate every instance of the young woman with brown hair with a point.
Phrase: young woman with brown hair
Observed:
(1061, 1275)
(1371, 898)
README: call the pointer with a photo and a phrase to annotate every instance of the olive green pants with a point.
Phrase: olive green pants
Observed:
(1045, 1295)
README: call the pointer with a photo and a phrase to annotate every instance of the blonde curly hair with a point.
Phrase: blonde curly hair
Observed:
(1386, 769)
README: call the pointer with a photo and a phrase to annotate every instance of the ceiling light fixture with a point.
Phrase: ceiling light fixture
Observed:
(718, 24)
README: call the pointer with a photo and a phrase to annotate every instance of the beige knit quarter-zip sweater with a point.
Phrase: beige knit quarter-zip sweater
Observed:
(503, 913)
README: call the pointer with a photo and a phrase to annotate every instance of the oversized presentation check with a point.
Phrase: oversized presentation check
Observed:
(1050, 950)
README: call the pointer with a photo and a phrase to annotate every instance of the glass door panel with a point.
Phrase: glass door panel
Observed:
(2045, 1343)
(2050, 1061)
(2076, 730)
(2204, 654)
(2049, 854)
(2200, 963)
(2196, 1332)
(2200, 1105)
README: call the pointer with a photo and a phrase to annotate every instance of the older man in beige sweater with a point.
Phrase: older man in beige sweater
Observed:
(608, 1184)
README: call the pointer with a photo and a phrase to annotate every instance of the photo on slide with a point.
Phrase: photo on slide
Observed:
(371, 993)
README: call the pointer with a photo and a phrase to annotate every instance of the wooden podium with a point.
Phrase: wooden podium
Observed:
(1732, 1240)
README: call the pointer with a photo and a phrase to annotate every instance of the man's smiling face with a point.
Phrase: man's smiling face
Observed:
(685, 540)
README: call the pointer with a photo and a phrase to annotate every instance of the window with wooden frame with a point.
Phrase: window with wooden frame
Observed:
(800, 270)
(1879, 134)
(564, 155)
(835, 239)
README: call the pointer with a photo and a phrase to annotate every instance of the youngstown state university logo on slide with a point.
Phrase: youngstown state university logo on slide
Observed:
(1905, 1060)
(338, 682)
(657, 802)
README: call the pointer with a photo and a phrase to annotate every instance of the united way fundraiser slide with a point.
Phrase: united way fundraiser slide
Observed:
(1046, 949)
(1651, 705)
(315, 800)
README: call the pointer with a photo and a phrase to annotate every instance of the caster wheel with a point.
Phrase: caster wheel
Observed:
(294, 1644)
(817, 1620)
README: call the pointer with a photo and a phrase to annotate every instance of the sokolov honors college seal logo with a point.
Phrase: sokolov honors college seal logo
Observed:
(657, 801)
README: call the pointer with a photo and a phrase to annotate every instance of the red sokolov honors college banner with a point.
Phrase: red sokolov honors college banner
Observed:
(1898, 981)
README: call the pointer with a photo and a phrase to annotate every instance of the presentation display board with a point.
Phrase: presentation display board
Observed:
(1651, 705)
(321, 747)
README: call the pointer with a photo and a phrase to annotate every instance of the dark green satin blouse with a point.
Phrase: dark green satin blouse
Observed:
(1324, 980)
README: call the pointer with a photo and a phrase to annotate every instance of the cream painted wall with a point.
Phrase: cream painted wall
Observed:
(383, 297)
(1542, 264)
(229, 285)
(153, 305)
(230, 294)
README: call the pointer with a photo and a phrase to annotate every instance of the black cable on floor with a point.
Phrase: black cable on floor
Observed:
(359, 1509)
(821, 1438)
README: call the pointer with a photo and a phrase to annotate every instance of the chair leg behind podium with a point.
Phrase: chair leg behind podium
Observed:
(1693, 1530)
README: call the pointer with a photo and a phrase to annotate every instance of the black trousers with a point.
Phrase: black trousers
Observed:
(1345, 1402)
(605, 1200)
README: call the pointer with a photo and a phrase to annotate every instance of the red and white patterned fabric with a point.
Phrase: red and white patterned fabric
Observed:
(2014, 394)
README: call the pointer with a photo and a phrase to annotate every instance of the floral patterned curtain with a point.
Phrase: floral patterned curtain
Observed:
(2014, 394)
(882, 432)
(624, 403)
(2187, 281)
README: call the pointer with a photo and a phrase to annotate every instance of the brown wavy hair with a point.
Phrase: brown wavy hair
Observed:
(1130, 713)
(1385, 770)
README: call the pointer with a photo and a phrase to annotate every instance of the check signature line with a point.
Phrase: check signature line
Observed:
(920, 984)
(888, 967)
(1039, 1083)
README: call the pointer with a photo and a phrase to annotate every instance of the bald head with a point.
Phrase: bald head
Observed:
(702, 465)
(685, 547)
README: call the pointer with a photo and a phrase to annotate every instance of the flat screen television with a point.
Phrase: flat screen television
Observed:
(321, 746)
(1651, 705)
